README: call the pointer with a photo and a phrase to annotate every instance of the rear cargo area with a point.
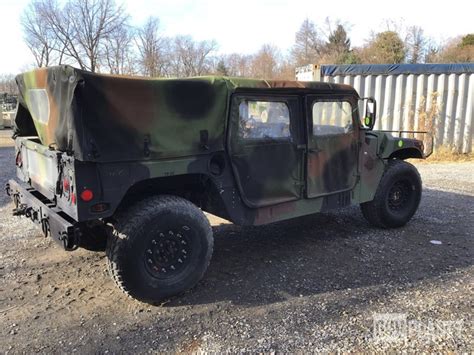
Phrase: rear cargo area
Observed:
(48, 173)
(107, 118)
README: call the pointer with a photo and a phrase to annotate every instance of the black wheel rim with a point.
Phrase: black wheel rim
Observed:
(168, 252)
(399, 196)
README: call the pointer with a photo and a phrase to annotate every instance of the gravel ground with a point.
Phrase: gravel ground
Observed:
(318, 283)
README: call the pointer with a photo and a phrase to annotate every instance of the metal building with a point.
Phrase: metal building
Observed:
(435, 97)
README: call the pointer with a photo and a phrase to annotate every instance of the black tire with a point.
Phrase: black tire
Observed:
(397, 197)
(159, 247)
(94, 238)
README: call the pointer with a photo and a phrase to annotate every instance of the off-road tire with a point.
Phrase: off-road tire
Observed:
(399, 179)
(94, 238)
(148, 236)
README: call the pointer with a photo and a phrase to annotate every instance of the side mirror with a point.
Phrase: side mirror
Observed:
(370, 112)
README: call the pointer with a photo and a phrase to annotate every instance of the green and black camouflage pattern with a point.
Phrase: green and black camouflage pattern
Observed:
(114, 118)
(127, 137)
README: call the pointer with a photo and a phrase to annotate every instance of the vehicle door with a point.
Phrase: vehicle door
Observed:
(265, 148)
(332, 145)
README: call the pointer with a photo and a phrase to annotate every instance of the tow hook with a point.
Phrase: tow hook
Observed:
(21, 210)
(28, 212)
(70, 242)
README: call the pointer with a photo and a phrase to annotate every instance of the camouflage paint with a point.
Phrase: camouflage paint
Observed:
(135, 112)
(332, 159)
(120, 132)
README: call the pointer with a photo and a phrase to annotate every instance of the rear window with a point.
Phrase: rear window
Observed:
(264, 120)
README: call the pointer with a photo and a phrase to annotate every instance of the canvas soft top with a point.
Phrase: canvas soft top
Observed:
(101, 117)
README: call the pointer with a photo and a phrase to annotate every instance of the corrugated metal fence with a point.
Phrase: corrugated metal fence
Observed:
(435, 97)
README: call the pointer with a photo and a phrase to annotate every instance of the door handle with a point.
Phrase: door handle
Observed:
(314, 150)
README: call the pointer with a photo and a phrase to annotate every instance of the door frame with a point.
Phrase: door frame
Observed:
(308, 110)
(297, 135)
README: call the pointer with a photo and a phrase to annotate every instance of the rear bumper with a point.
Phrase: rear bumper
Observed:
(53, 221)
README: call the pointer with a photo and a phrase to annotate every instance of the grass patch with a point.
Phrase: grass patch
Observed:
(446, 154)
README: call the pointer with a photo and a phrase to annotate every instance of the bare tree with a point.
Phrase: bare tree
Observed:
(57, 21)
(286, 70)
(456, 50)
(83, 27)
(265, 63)
(8, 84)
(191, 58)
(394, 25)
(118, 54)
(95, 35)
(416, 44)
(154, 49)
(238, 64)
(308, 44)
(38, 35)
(432, 52)
(93, 22)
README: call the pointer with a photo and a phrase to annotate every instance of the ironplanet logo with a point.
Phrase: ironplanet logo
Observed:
(396, 327)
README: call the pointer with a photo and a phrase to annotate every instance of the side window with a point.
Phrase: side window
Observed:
(332, 117)
(264, 120)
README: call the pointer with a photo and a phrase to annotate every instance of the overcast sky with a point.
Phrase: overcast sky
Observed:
(244, 25)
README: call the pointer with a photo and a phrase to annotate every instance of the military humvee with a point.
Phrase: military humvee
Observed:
(129, 164)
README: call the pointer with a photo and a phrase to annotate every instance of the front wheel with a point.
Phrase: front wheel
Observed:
(397, 197)
(159, 248)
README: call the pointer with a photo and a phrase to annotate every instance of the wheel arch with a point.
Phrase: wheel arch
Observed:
(407, 153)
(200, 189)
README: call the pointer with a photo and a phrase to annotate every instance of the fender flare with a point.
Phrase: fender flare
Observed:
(407, 153)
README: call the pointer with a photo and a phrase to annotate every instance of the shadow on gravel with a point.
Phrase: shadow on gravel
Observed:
(335, 251)
(7, 171)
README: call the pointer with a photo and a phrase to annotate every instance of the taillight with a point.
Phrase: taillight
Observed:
(87, 195)
(100, 207)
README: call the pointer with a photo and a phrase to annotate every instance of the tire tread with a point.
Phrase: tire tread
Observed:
(372, 210)
(131, 219)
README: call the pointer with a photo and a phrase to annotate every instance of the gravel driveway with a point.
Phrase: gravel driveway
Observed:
(321, 283)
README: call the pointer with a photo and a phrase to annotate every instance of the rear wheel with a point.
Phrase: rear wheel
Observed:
(397, 197)
(160, 247)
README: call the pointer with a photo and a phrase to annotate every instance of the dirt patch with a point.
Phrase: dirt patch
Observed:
(309, 284)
